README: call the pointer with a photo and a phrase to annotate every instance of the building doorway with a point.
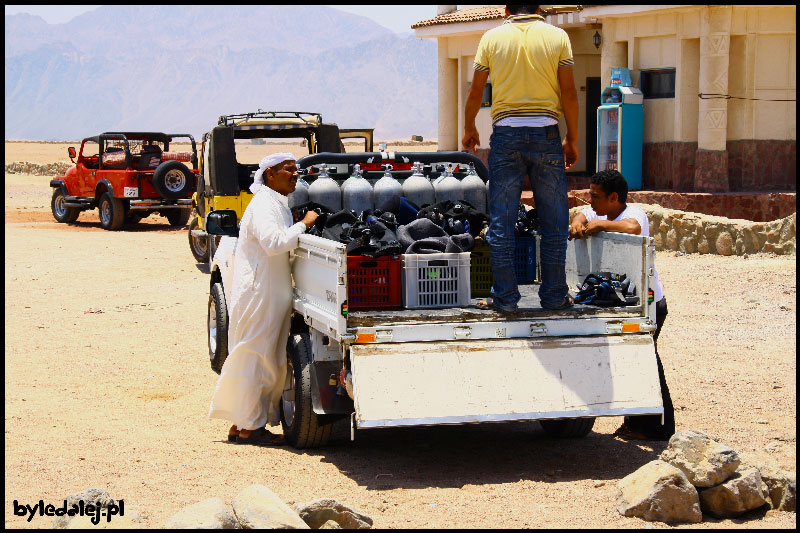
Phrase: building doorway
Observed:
(593, 92)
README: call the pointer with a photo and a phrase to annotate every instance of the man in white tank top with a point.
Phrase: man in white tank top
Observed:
(610, 212)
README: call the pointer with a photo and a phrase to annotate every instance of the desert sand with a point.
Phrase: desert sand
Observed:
(107, 384)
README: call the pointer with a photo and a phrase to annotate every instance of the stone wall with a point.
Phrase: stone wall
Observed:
(752, 165)
(689, 232)
(757, 207)
(35, 169)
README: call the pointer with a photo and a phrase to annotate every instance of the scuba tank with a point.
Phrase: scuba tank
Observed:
(325, 191)
(357, 192)
(300, 194)
(473, 190)
(447, 187)
(418, 189)
(386, 188)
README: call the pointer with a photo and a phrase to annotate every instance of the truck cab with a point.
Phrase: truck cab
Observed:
(226, 172)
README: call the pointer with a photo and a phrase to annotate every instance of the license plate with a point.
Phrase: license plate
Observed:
(131, 192)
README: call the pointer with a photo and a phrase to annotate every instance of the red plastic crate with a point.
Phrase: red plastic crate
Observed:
(374, 282)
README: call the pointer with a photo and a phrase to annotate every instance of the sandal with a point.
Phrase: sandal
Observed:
(489, 305)
(566, 304)
(233, 433)
(262, 437)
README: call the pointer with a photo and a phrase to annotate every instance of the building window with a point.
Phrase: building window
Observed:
(658, 83)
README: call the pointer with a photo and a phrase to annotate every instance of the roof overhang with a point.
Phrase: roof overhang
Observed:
(594, 13)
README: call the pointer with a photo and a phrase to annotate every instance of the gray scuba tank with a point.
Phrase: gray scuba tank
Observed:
(357, 192)
(300, 194)
(447, 186)
(325, 190)
(419, 189)
(473, 190)
(386, 188)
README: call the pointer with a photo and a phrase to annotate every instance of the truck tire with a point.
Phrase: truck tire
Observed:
(300, 423)
(178, 217)
(217, 327)
(568, 428)
(112, 212)
(173, 179)
(198, 245)
(61, 212)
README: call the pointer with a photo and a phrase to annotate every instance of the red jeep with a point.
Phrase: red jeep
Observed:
(127, 176)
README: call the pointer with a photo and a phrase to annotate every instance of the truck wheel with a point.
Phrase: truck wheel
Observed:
(178, 217)
(300, 423)
(172, 179)
(217, 328)
(112, 212)
(61, 212)
(198, 245)
(568, 428)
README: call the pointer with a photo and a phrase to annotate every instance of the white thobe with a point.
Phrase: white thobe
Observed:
(252, 379)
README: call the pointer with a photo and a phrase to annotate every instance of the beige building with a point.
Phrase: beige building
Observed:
(719, 84)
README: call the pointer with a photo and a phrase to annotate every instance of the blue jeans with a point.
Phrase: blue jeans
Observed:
(536, 152)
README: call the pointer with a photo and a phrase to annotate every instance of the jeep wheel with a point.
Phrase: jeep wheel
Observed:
(217, 328)
(178, 217)
(198, 245)
(172, 179)
(300, 423)
(61, 212)
(112, 212)
(568, 427)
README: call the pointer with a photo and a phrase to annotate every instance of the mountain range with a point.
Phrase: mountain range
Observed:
(178, 68)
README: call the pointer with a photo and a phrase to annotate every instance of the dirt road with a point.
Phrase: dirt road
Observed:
(108, 385)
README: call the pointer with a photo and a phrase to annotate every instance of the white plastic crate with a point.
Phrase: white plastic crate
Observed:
(436, 280)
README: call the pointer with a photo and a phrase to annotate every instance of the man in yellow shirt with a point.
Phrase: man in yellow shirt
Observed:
(530, 64)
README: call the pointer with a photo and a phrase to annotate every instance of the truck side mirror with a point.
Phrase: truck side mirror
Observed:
(222, 222)
(72, 154)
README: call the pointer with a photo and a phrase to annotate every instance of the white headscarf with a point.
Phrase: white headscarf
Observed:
(269, 162)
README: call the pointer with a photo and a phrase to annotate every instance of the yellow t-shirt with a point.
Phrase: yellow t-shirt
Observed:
(522, 57)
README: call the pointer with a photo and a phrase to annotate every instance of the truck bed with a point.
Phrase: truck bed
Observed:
(529, 308)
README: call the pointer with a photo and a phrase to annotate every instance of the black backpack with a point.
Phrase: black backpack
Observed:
(606, 289)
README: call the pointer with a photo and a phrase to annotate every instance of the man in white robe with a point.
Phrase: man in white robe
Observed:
(252, 379)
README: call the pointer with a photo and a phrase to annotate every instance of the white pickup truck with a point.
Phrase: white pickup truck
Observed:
(413, 367)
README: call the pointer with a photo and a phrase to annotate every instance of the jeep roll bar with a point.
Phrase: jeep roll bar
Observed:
(405, 157)
(226, 120)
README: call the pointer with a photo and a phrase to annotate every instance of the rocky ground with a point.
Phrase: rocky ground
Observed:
(108, 384)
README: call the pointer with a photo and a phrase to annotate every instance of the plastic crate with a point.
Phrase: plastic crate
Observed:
(373, 282)
(436, 280)
(481, 277)
(525, 259)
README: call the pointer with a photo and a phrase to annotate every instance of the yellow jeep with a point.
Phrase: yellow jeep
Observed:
(228, 161)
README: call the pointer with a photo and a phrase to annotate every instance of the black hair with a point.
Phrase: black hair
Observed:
(522, 10)
(612, 181)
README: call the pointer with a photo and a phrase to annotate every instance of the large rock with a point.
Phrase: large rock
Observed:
(705, 461)
(257, 507)
(658, 492)
(789, 501)
(744, 491)
(777, 482)
(316, 513)
(132, 520)
(94, 496)
(207, 514)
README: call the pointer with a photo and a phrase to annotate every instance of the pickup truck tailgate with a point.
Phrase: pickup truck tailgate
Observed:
(429, 383)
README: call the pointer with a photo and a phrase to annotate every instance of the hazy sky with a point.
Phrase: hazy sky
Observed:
(397, 18)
